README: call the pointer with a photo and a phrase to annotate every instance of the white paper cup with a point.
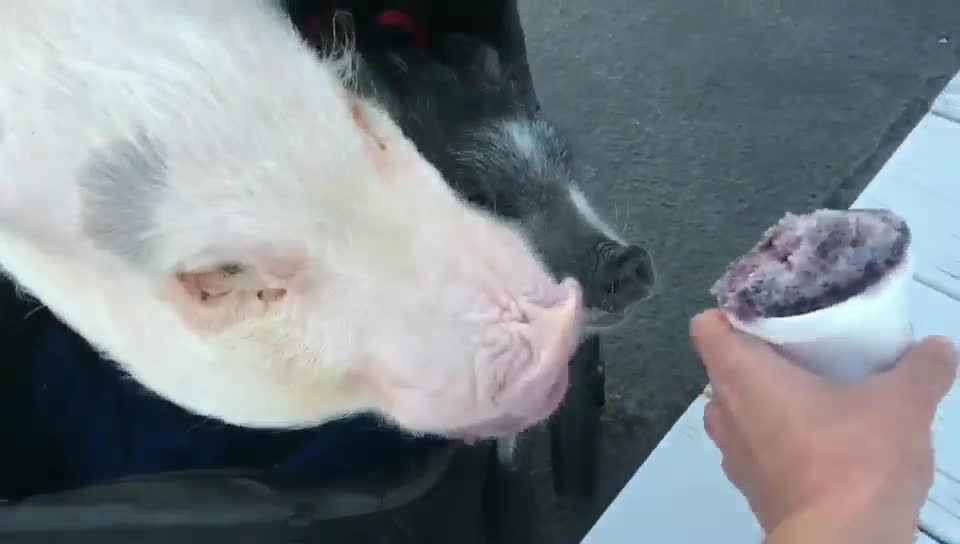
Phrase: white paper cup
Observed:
(851, 340)
(848, 341)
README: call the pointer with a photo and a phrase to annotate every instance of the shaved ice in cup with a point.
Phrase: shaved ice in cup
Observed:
(828, 290)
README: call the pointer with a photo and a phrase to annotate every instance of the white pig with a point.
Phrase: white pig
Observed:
(212, 206)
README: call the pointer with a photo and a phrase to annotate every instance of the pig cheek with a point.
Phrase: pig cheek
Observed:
(421, 402)
(536, 412)
(535, 396)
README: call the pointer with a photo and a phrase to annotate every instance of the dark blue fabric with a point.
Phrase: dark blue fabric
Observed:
(80, 421)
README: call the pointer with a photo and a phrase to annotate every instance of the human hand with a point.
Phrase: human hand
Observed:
(792, 441)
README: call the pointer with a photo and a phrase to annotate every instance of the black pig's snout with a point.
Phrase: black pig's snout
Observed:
(624, 275)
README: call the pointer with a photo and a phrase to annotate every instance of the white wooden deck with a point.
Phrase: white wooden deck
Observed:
(680, 494)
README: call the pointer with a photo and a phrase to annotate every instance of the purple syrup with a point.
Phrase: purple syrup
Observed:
(809, 262)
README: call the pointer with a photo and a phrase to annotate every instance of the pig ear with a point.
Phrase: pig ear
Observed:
(221, 286)
(473, 57)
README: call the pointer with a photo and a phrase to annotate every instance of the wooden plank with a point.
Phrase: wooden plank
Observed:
(948, 103)
(921, 182)
(680, 494)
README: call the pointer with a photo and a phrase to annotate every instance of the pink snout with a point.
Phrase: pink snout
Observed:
(526, 384)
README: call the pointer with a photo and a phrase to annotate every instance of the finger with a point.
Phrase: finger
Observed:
(715, 341)
(710, 333)
(926, 372)
(737, 474)
(713, 421)
(739, 365)
(719, 422)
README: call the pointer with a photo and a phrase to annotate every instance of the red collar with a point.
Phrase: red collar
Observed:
(405, 21)
(314, 25)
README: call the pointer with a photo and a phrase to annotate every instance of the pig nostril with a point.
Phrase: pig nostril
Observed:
(612, 287)
(624, 275)
(641, 272)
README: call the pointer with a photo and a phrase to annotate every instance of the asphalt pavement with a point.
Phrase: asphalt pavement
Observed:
(697, 124)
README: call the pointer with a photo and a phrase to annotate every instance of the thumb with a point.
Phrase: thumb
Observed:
(927, 371)
(739, 363)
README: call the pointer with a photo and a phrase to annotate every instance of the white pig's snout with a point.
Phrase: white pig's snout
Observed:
(554, 329)
(523, 373)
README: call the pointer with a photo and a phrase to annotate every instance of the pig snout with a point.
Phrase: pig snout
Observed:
(522, 368)
(624, 275)
(514, 355)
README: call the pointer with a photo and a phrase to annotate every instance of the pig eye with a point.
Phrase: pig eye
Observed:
(477, 197)
(231, 269)
(487, 199)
